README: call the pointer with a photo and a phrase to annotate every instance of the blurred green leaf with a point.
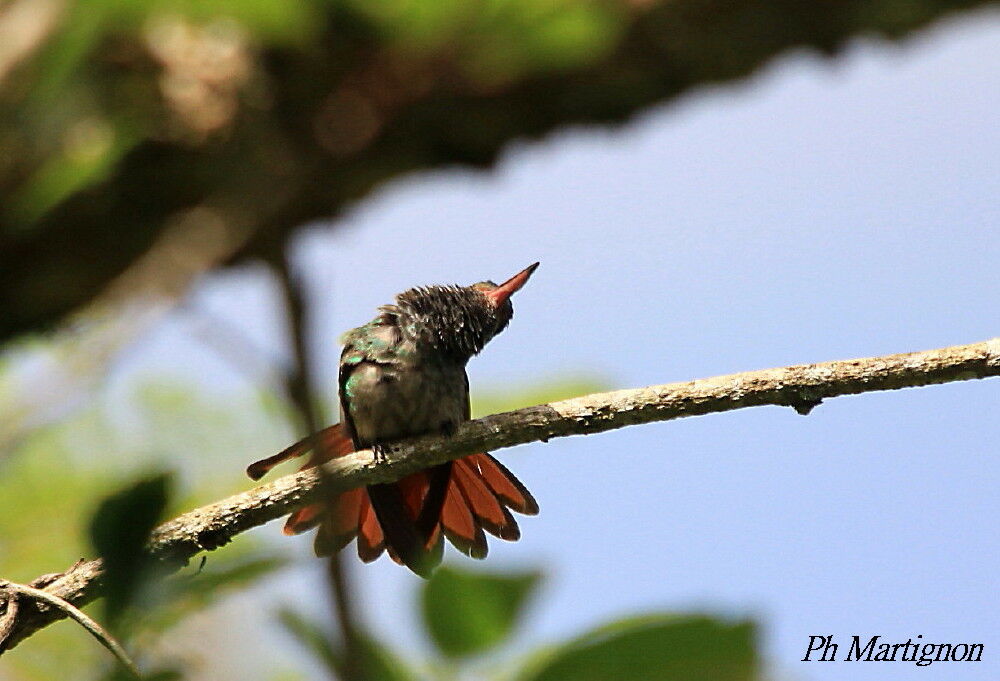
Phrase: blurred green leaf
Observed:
(119, 531)
(654, 648)
(467, 612)
(380, 664)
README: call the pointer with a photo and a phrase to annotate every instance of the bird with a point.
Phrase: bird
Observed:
(401, 375)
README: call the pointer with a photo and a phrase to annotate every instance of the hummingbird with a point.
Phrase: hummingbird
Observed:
(403, 375)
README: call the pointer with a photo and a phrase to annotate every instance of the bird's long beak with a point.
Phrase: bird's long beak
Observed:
(509, 287)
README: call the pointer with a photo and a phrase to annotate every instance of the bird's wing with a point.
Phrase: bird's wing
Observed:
(392, 503)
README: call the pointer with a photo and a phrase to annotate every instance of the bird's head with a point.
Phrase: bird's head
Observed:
(498, 297)
(461, 320)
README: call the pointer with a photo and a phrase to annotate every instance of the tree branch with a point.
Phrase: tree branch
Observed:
(69, 610)
(800, 387)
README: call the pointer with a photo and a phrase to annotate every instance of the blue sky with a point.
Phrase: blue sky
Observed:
(821, 210)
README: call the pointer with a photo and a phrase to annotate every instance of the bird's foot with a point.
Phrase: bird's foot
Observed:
(380, 454)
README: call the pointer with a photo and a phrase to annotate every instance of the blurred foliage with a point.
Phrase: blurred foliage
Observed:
(119, 530)
(61, 476)
(471, 613)
(654, 648)
(467, 614)
(200, 132)
(379, 663)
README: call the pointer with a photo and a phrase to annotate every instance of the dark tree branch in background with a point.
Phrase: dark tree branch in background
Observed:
(303, 395)
(800, 387)
(295, 127)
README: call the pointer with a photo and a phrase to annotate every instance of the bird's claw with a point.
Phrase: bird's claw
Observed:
(380, 455)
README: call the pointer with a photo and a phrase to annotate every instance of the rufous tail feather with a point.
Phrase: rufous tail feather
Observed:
(461, 501)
